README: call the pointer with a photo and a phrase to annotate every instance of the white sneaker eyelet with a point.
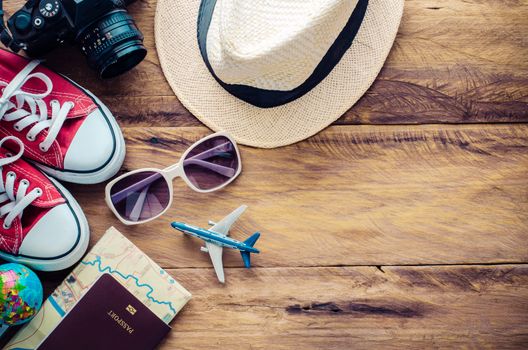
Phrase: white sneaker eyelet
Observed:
(25, 182)
(16, 127)
(72, 104)
(11, 174)
(6, 227)
(42, 148)
(30, 138)
(9, 154)
(54, 101)
(39, 191)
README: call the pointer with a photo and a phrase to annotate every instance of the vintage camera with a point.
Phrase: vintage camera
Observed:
(103, 30)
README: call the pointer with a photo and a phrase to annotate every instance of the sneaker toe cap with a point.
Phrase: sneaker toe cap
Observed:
(93, 145)
(54, 235)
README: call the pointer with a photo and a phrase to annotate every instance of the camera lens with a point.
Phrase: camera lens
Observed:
(113, 44)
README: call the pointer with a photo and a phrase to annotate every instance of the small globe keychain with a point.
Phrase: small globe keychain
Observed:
(20, 295)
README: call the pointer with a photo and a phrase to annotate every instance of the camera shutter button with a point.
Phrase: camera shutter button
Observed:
(23, 22)
(38, 22)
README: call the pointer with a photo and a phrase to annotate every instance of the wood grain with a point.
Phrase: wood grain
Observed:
(352, 195)
(359, 193)
(476, 307)
(428, 307)
(454, 61)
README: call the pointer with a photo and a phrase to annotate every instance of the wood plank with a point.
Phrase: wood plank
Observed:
(438, 307)
(454, 61)
(354, 308)
(352, 195)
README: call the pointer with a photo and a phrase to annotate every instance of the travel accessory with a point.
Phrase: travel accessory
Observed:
(41, 224)
(20, 295)
(216, 239)
(108, 316)
(273, 72)
(103, 30)
(143, 195)
(113, 254)
(67, 132)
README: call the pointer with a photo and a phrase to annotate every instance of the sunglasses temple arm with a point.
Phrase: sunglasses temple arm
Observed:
(223, 170)
(135, 213)
(224, 147)
(217, 168)
(119, 196)
(198, 159)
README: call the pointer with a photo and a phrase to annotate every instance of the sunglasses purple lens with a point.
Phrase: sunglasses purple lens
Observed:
(212, 163)
(140, 196)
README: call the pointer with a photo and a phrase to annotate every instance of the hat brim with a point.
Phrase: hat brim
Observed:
(195, 87)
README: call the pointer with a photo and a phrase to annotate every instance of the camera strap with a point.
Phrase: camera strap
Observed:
(5, 36)
(2, 25)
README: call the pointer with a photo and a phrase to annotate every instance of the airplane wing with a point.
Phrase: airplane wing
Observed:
(215, 252)
(222, 227)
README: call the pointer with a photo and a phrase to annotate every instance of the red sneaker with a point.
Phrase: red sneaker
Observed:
(41, 225)
(67, 131)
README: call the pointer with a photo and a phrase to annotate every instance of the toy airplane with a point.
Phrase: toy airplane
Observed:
(216, 239)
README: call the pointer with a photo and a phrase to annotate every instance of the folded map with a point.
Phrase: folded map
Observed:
(116, 255)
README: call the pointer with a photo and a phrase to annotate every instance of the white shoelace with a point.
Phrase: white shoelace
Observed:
(12, 204)
(11, 112)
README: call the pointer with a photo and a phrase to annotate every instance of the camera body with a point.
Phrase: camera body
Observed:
(103, 30)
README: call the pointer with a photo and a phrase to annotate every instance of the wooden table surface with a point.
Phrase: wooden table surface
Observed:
(403, 225)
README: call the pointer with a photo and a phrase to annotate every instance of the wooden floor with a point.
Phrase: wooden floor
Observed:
(403, 225)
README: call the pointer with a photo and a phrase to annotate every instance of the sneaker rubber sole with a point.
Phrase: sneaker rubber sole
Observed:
(112, 166)
(68, 259)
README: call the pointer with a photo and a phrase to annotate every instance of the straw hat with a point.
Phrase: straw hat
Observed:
(273, 72)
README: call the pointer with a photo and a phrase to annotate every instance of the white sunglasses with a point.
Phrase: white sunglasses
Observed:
(145, 194)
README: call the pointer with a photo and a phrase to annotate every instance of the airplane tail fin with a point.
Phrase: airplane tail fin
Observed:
(250, 242)
(253, 239)
(246, 258)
